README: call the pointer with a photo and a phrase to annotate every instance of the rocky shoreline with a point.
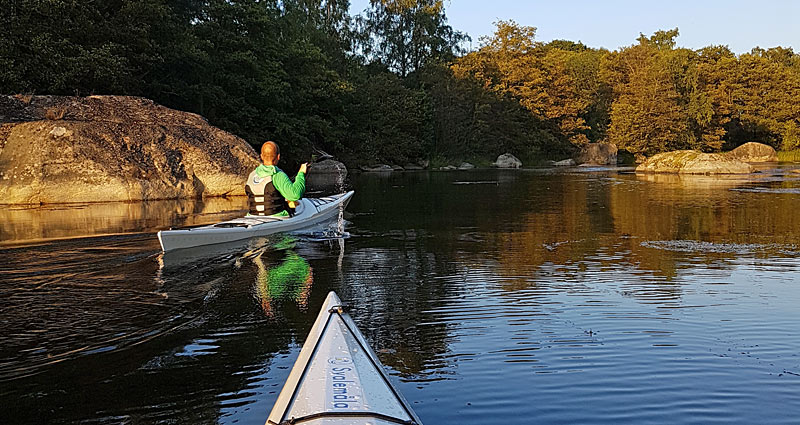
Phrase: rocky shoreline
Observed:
(62, 149)
(57, 149)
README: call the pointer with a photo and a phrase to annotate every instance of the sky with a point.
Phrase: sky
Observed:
(739, 24)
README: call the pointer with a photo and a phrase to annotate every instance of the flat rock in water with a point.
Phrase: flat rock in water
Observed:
(754, 152)
(693, 162)
(413, 167)
(377, 168)
(565, 163)
(507, 160)
(448, 168)
(57, 149)
(466, 166)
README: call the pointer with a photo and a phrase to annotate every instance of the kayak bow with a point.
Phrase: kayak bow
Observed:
(338, 379)
(309, 213)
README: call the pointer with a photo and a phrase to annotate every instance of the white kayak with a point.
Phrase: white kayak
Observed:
(338, 379)
(309, 213)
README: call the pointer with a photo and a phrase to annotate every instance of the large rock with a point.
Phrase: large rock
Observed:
(328, 166)
(693, 162)
(56, 149)
(754, 152)
(597, 154)
(379, 168)
(466, 166)
(507, 160)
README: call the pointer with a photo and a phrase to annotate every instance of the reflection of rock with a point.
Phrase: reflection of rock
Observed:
(754, 152)
(466, 166)
(507, 160)
(114, 148)
(703, 185)
(693, 162)
(565, 163)
(65, 221)
(598, 154)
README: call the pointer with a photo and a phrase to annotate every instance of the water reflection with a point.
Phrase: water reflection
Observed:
(638, 298)
(290, 279)
(22, 224)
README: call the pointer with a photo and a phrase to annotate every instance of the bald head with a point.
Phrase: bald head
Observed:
(270, 153)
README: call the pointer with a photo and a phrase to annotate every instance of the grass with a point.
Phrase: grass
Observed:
(789, 156)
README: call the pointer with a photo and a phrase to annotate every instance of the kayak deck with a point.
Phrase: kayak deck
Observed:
(337, 379)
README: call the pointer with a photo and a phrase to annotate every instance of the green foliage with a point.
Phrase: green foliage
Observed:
(789, 156)
(395, 127)
(394, 85)
(407, 34)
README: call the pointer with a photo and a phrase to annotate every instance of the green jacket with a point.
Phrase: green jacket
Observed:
(282, 182)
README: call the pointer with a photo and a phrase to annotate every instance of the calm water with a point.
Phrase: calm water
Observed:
(585, 296)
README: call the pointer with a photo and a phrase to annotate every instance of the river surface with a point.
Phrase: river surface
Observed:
(587, 295)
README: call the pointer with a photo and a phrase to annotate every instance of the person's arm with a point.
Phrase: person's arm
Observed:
(290, 191)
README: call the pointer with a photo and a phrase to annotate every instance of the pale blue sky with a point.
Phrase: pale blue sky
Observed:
(739, 24)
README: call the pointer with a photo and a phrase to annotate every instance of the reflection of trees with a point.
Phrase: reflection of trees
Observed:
(605, 221)
(425, 236)
(703, 208)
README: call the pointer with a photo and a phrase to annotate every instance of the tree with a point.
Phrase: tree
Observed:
(406, 34)
(541, 78)
(648, 114)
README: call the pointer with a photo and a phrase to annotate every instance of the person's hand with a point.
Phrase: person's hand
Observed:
(303, 168)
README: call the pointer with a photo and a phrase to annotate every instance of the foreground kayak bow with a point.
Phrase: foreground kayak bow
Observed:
(338, 379)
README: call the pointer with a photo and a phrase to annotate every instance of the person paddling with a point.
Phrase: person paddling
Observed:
(269, 190)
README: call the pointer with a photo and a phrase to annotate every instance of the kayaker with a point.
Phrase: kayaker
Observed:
(269, 190)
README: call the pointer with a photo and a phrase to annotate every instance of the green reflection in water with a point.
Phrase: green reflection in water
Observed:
(291, 279)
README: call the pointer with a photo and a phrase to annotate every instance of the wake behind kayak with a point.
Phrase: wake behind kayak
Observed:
(337, 379)
(309, 213)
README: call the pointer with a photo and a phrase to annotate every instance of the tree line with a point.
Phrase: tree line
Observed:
(395, 84)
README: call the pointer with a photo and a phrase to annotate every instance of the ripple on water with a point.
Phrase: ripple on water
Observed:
(584, 300)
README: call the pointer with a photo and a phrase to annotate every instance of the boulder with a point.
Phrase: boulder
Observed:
(565, 163)
(754, 152)
(398, 168)
(466, 166)
(57, 149)
(328, 166)
(379, 168)
(597, 154)
(413, 167)
(507, 160)
(448, 168)
(693, 162)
